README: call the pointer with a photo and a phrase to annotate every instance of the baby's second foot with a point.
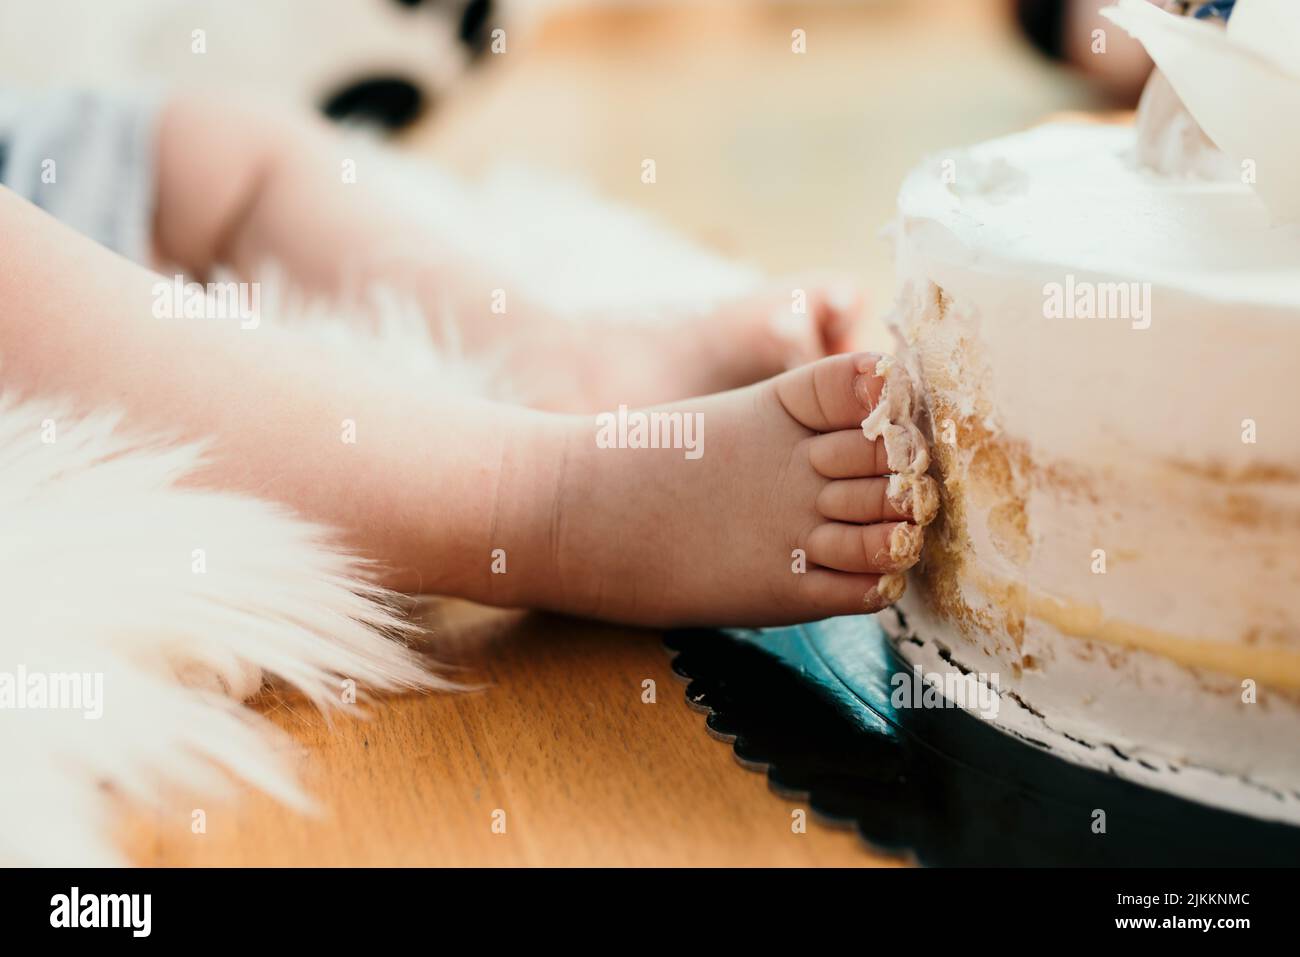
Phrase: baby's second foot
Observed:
(768, 506)
(593, 363)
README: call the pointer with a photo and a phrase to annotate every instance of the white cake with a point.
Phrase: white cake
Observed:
(1119, 538)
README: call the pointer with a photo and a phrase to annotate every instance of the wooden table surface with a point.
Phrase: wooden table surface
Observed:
(560, 746)
(787, 161)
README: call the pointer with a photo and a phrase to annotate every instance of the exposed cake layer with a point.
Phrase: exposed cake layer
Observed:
(1102, 355)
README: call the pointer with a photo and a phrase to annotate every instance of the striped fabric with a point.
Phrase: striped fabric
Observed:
(87, 159)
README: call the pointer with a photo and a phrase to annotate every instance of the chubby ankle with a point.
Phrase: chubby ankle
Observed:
(538, 473)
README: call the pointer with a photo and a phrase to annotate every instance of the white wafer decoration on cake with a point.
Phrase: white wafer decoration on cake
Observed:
(1242, 85)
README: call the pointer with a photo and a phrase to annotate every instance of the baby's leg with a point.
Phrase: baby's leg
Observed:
(773, 508)
(418, 489)
(243, 188)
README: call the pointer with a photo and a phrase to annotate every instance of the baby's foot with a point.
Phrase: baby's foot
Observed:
(590, 364)
(775, 508)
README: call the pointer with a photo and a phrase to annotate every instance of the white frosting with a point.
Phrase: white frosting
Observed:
(1059, 437)
(1086, 216)
(1069, 198)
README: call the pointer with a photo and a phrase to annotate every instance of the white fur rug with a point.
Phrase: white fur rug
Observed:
(150, 612)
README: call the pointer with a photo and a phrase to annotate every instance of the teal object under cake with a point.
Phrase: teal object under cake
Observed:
(846, 657)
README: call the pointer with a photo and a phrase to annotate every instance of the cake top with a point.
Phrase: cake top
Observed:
(1238, 84)
(1071, 197)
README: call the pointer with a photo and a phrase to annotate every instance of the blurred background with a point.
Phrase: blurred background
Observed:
(787, 160)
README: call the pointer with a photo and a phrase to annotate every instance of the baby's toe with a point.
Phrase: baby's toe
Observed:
(908, 498)
(825, 593)
(842, 310)
(879, 548)
(835, 394)
(817, 317)
(847, 455)
(862, 500)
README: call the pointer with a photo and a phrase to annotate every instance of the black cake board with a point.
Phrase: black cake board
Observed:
(939, 786)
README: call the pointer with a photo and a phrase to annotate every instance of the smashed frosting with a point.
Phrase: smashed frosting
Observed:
(891, 420)
(905, 543)
(890, 588)
(914, 495)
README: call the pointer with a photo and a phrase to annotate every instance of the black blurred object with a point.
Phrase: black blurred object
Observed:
(938, 785)
(393, 102)
(387, 102)
(474, 30)
(1044, 24)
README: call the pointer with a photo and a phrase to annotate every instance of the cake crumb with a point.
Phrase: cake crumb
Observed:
(914, 495)
(889, 589)
(905, 543)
